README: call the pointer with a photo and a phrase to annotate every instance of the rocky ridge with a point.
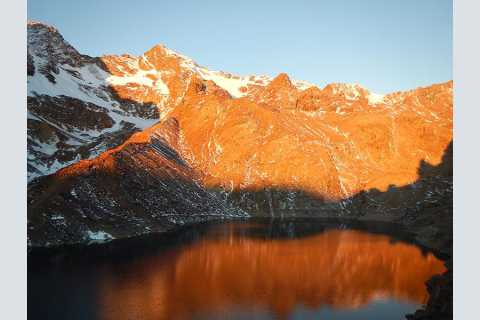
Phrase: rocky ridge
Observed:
(126, 93)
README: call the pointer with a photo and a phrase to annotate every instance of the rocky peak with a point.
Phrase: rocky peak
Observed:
(282, 80)
(160, 58)
(310, 99)
(47, 50)
(41, 25)
(279, 93)
(349, 91)
(45, 43)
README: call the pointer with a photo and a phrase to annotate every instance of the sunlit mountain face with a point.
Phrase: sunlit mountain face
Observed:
(235, 276)
(126, 145)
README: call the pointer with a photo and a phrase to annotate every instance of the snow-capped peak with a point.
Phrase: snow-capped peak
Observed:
(354, 91)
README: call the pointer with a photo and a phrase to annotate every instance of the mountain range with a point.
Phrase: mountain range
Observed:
(124, 145)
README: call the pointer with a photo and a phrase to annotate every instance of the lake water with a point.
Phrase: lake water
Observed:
(236, 270)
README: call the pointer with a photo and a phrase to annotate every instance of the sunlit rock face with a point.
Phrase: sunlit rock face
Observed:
(337, 269)
(243, 145)
(269, 146)
(134, 92)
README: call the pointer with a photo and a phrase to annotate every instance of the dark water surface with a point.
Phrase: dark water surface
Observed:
(236, 270)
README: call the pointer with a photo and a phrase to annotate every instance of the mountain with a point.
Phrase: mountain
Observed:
(79, 106)
(125, 145)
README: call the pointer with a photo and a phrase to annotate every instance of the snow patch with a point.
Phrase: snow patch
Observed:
(98, 236)
(374, 98)
(302, 85)
(232, 83)
(45, 148)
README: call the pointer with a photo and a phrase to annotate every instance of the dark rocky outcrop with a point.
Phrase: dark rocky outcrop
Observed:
(138, 188)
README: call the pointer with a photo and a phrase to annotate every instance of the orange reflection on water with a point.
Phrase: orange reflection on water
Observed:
(341, 269)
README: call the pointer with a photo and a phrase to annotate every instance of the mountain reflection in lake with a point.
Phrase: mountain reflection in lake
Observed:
(241, 271)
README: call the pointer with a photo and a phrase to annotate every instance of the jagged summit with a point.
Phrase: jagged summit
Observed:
(44, 37)
(282, 79)
(351, 91)
(41, 24)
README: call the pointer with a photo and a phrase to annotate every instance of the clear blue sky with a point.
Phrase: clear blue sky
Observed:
(384, 45)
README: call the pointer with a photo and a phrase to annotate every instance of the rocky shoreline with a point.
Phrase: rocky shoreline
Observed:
(429, 234)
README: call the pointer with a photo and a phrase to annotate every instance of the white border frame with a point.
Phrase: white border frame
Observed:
(466, 74)
(13, 164)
